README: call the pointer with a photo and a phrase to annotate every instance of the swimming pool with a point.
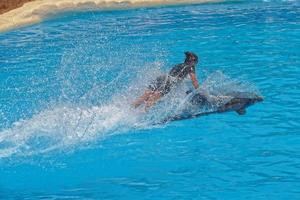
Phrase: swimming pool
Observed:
(65, 83)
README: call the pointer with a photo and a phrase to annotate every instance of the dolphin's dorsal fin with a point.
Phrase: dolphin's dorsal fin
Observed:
(241, 111)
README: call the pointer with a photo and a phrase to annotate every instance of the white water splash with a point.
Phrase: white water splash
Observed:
(65, 127)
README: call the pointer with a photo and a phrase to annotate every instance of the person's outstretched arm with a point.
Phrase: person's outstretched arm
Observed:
(194, 80)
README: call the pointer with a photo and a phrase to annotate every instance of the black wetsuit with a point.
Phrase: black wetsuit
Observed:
(164, 83)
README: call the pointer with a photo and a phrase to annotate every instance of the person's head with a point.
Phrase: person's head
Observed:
(190, 58)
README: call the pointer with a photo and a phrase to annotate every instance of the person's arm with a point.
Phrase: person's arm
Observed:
(194, 80)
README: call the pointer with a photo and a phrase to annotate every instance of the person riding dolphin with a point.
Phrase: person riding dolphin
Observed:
(163, 84)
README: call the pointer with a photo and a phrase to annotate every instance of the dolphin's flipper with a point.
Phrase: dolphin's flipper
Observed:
(241, 111)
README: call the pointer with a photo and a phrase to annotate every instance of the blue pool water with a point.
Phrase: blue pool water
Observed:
(67, 132)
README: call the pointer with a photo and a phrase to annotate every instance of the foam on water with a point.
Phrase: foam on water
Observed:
(94, 86)
(63, 127)
(67, 126)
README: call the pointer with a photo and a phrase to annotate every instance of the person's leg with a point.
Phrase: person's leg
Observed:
(153, 98)
(142, 98)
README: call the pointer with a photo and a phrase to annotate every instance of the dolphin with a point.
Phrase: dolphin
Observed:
(233, 101)
(240, 102)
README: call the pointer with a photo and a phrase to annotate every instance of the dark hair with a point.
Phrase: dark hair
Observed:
(190, 57)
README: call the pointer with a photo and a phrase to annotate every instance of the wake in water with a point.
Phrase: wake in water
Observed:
(67, 126)
(94, 87)
(63, 127)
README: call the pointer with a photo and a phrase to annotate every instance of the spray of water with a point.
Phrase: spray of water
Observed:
(96, 87)
(73, 124)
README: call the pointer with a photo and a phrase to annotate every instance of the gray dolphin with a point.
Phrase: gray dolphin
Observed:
(235, 101)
